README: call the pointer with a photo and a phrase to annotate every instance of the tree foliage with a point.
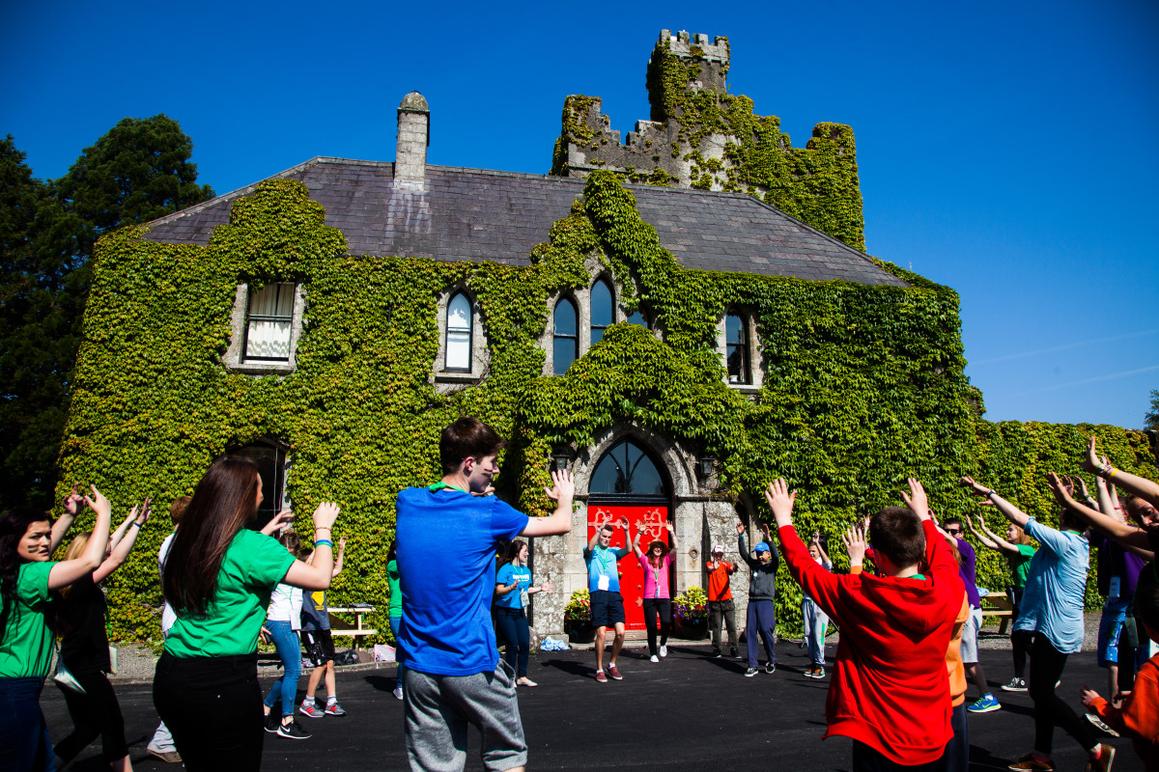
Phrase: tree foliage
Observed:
(138, 171)
(1151, 420)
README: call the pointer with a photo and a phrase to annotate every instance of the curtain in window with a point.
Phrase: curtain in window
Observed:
(271, 318)
(459, 334)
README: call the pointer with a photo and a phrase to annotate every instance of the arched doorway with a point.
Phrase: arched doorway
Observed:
(628, 482)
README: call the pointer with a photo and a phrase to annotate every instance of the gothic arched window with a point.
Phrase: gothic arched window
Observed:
(602, 309)
(459, 325)
(565, 336)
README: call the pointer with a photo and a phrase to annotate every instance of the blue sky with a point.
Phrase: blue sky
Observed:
(1007, 150)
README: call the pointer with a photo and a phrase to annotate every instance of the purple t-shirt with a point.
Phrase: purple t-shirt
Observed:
(1119, 569)
(967, 572)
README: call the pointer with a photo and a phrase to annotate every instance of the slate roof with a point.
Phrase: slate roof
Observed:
(475, 214)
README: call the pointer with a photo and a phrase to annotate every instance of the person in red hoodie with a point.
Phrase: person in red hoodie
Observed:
(889, 692)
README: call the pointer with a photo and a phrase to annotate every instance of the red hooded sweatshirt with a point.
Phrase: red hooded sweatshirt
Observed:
(889, 687)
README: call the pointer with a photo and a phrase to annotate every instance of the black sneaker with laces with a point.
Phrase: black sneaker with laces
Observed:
(272, 722)
(292, 731)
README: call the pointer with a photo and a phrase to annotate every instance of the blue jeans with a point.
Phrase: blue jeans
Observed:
(761, 619)
(815, 623)
(23, 731)
(512, 624)
(290, 652)
(400, 670)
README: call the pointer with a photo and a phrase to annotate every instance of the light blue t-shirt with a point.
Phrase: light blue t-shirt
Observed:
(446, 563)
(1052, 603)
(509, 573)
(602, 562)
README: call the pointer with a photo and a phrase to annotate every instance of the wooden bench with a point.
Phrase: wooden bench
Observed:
(997, 604)
(358, 630)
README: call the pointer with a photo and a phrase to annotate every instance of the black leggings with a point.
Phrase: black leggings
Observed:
(1019, 640)
(213, 707)
(94, 713)
(657, 609)
(1046, 666)
(512, 624)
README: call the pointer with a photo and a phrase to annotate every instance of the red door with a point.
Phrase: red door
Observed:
(631, 574)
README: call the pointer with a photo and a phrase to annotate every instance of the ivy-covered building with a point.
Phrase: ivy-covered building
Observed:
(677, 319)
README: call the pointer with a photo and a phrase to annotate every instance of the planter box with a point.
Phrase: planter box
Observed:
(690, 629)
(579, 632)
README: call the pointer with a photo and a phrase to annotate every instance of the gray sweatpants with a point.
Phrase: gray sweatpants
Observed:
(439, 708)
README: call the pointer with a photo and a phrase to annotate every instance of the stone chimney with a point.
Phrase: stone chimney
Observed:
(414, 124)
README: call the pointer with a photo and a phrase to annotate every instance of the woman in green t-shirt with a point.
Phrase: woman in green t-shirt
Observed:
(218, 578)
(26, 576)
(1018, 552)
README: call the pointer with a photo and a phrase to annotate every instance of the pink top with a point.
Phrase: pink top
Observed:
(656, 579)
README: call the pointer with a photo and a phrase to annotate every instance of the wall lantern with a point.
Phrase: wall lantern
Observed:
(706, 466)
(561, 458)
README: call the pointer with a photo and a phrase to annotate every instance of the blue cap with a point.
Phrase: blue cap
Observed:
(762, 547)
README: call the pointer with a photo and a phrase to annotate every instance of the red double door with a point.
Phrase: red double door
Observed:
(653, 517)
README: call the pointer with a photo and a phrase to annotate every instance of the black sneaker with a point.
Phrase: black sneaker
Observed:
(272, 722)
(1015, 684)
(716, 654)
(292, 731)
(752, 671)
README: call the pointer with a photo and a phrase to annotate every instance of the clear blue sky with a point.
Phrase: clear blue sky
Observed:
(1008, 150)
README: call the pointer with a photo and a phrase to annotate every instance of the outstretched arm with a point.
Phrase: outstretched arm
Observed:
(66, 572)
(939, 556)
(316, 574)
(983, 535)
(743, 547)
(821, 585)
(138, 516)
(1140, 486)
(1129, 536)
(559, 521)
(1008, 510)
(636, 540)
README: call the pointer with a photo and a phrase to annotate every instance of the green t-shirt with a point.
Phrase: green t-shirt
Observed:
(395, 607)
(253, 564)
(1020, 565)
(26, 651)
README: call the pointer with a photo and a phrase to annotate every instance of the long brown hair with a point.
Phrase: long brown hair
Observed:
(224, 501)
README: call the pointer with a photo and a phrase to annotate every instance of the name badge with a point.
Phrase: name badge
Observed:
(603, 583)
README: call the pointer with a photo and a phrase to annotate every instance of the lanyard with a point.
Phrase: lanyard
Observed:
(443, 486)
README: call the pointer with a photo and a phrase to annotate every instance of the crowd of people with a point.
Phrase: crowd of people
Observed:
(908, 610)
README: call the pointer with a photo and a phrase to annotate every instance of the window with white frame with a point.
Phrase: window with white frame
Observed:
(459, 324)
(738, 349)
(270, 323)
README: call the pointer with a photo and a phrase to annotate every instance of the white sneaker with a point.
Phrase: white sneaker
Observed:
(663, 650)
(398, 692)
(653, 658)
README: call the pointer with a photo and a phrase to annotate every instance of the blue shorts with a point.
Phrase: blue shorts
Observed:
(1110, 628)
(607, 608)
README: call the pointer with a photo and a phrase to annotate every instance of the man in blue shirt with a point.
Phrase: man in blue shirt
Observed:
(447, 536)
(607, 605)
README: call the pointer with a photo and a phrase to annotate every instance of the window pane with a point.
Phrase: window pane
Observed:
(459, 313)
(458, 350)
(564, 352)
(268, 340)
(601, 308)
(738, 364)
(637, 317)
(565, 318)
(626, 469)
(734, 331)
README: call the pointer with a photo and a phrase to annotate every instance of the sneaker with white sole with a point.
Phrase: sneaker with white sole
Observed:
(653, 658)
(663, 650)
(334, 709)
(1015, 684)
(398, 692)
(271, 723)
(292, 731)
(309, 710)
(984, 704)
(770, 668)
(752, 671)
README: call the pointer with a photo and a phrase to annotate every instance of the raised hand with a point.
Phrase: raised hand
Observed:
(781, 501)
(1091, 462)
(740, 529)
(98, 503)
(1062, 493)
(916, 500)
(563, 486)
(976, 488)
(145, 512)
(855, 544)
(325, 514)
(73, 501)
(624, 523)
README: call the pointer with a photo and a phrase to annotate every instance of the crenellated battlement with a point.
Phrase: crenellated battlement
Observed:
(695, 46)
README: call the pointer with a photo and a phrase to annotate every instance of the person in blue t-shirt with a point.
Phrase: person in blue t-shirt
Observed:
(607, 605)
(447, 535)
(513, 589)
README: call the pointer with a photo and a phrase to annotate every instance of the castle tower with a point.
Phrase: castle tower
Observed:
(701, 136)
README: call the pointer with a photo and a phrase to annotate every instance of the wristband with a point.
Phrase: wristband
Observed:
(136, 524)
(990, 493)
(326, 542)
(1106, 470)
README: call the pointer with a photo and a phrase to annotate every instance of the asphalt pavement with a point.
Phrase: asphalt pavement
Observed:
(687, 711)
